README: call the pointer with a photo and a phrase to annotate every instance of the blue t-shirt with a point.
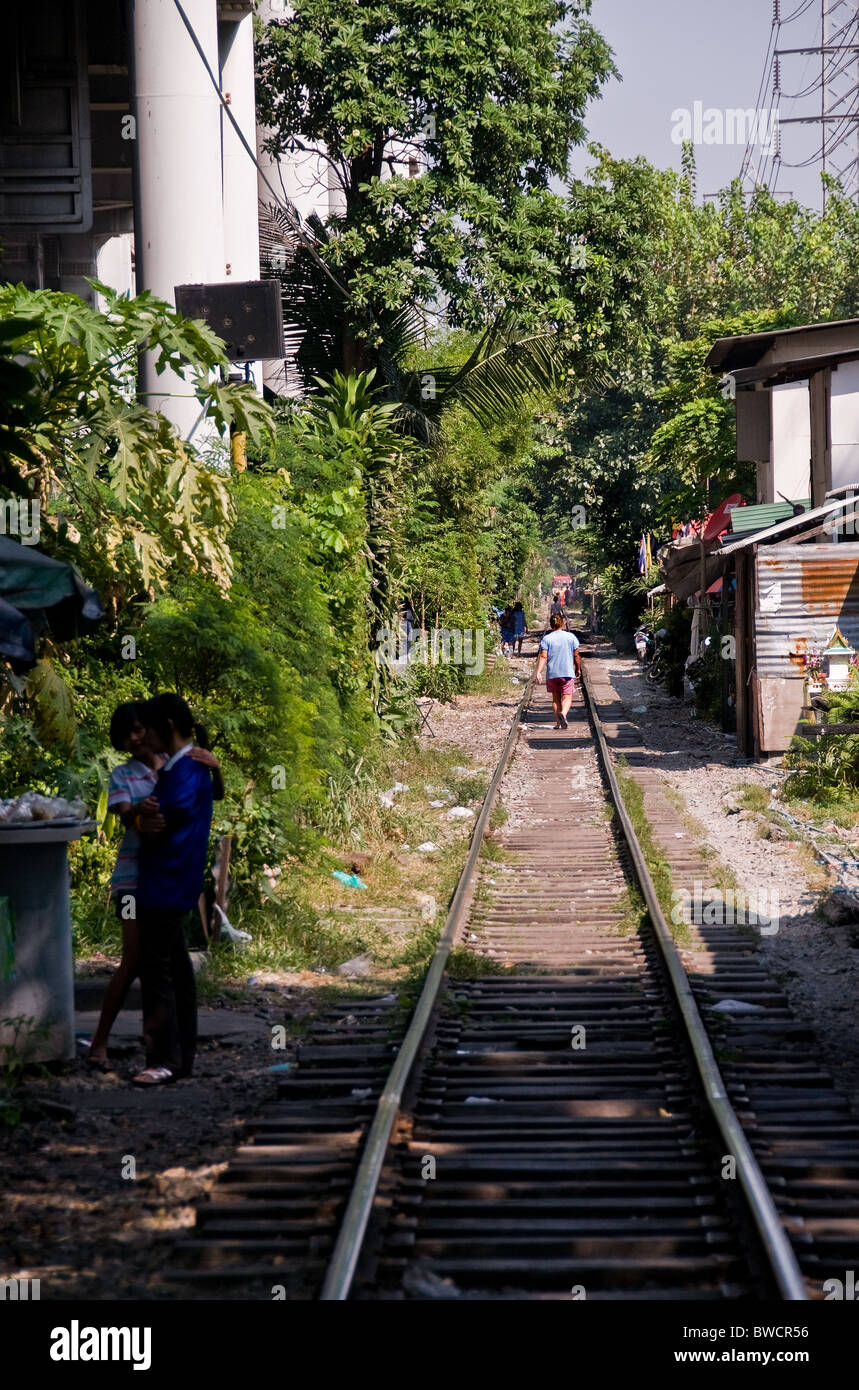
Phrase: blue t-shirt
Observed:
(519, 622)
(560, 646)
(171, 865)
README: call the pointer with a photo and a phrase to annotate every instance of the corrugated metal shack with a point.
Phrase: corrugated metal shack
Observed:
(790, 584)
(793, 584)
(790, 599)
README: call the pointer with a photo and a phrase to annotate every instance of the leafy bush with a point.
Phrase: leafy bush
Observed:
(677, 622)
(442, 682)
(824, 769)
(706, 674)
(621, 600)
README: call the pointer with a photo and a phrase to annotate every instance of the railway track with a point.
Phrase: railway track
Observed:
(556, 1125)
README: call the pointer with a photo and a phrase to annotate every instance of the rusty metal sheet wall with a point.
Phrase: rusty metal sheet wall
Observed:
(804, 592)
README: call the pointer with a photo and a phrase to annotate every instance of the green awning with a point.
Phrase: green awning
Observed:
(747, 519)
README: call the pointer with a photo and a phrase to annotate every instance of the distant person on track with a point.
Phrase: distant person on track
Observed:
(507, 625)
(557, 607)
(560, 661)
(518, 627)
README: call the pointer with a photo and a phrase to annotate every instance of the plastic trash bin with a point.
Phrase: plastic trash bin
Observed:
(34, 876)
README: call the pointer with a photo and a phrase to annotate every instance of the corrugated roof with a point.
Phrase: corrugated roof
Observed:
(681, 562)
(785, 527)
(762, 516)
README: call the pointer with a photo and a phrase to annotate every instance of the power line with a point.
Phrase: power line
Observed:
(774, 31)
(838, 52)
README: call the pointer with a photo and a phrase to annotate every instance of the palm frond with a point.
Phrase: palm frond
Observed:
(313, 306)
(508, 369)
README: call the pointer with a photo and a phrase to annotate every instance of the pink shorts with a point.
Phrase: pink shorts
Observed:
(561, 684)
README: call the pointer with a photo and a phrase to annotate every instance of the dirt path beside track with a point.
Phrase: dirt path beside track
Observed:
(816, 961)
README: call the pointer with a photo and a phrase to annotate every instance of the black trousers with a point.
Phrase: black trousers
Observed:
(168, 990)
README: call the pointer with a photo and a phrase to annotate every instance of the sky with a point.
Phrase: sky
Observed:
(674, 53)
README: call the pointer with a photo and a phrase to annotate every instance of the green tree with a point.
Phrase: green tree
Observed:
(646, 438)
(444, 130)
(121, 493)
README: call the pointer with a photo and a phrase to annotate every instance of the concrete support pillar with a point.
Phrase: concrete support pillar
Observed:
(114, 265)
(179, 215)
(241, 217)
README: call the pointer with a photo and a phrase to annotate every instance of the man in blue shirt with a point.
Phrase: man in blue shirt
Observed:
(560, 661)
(171, 863)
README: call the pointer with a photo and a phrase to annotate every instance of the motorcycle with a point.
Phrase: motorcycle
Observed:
(645, 644)
(656, 665)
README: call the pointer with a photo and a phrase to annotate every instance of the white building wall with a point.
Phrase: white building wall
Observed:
(790, 451)
(844, 415)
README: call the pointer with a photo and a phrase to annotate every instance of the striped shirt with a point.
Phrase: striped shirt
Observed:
(130, 782)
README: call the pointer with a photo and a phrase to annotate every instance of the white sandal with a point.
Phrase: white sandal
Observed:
(154, 1076)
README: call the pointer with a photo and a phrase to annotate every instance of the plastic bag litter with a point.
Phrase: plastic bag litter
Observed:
(459, 813)
(427, 847)
(349, 880)
(736, 1006)
(436, 804)
(228, 930)
(387, 798)
(481, 1100)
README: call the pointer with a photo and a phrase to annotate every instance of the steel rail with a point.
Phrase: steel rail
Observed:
(347, 1250)
(777, 1248)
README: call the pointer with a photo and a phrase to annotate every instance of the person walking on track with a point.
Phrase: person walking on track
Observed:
(560, 661)
(507, 625)
(518, 627)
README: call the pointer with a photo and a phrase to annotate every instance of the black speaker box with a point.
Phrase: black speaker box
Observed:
(247, 314)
